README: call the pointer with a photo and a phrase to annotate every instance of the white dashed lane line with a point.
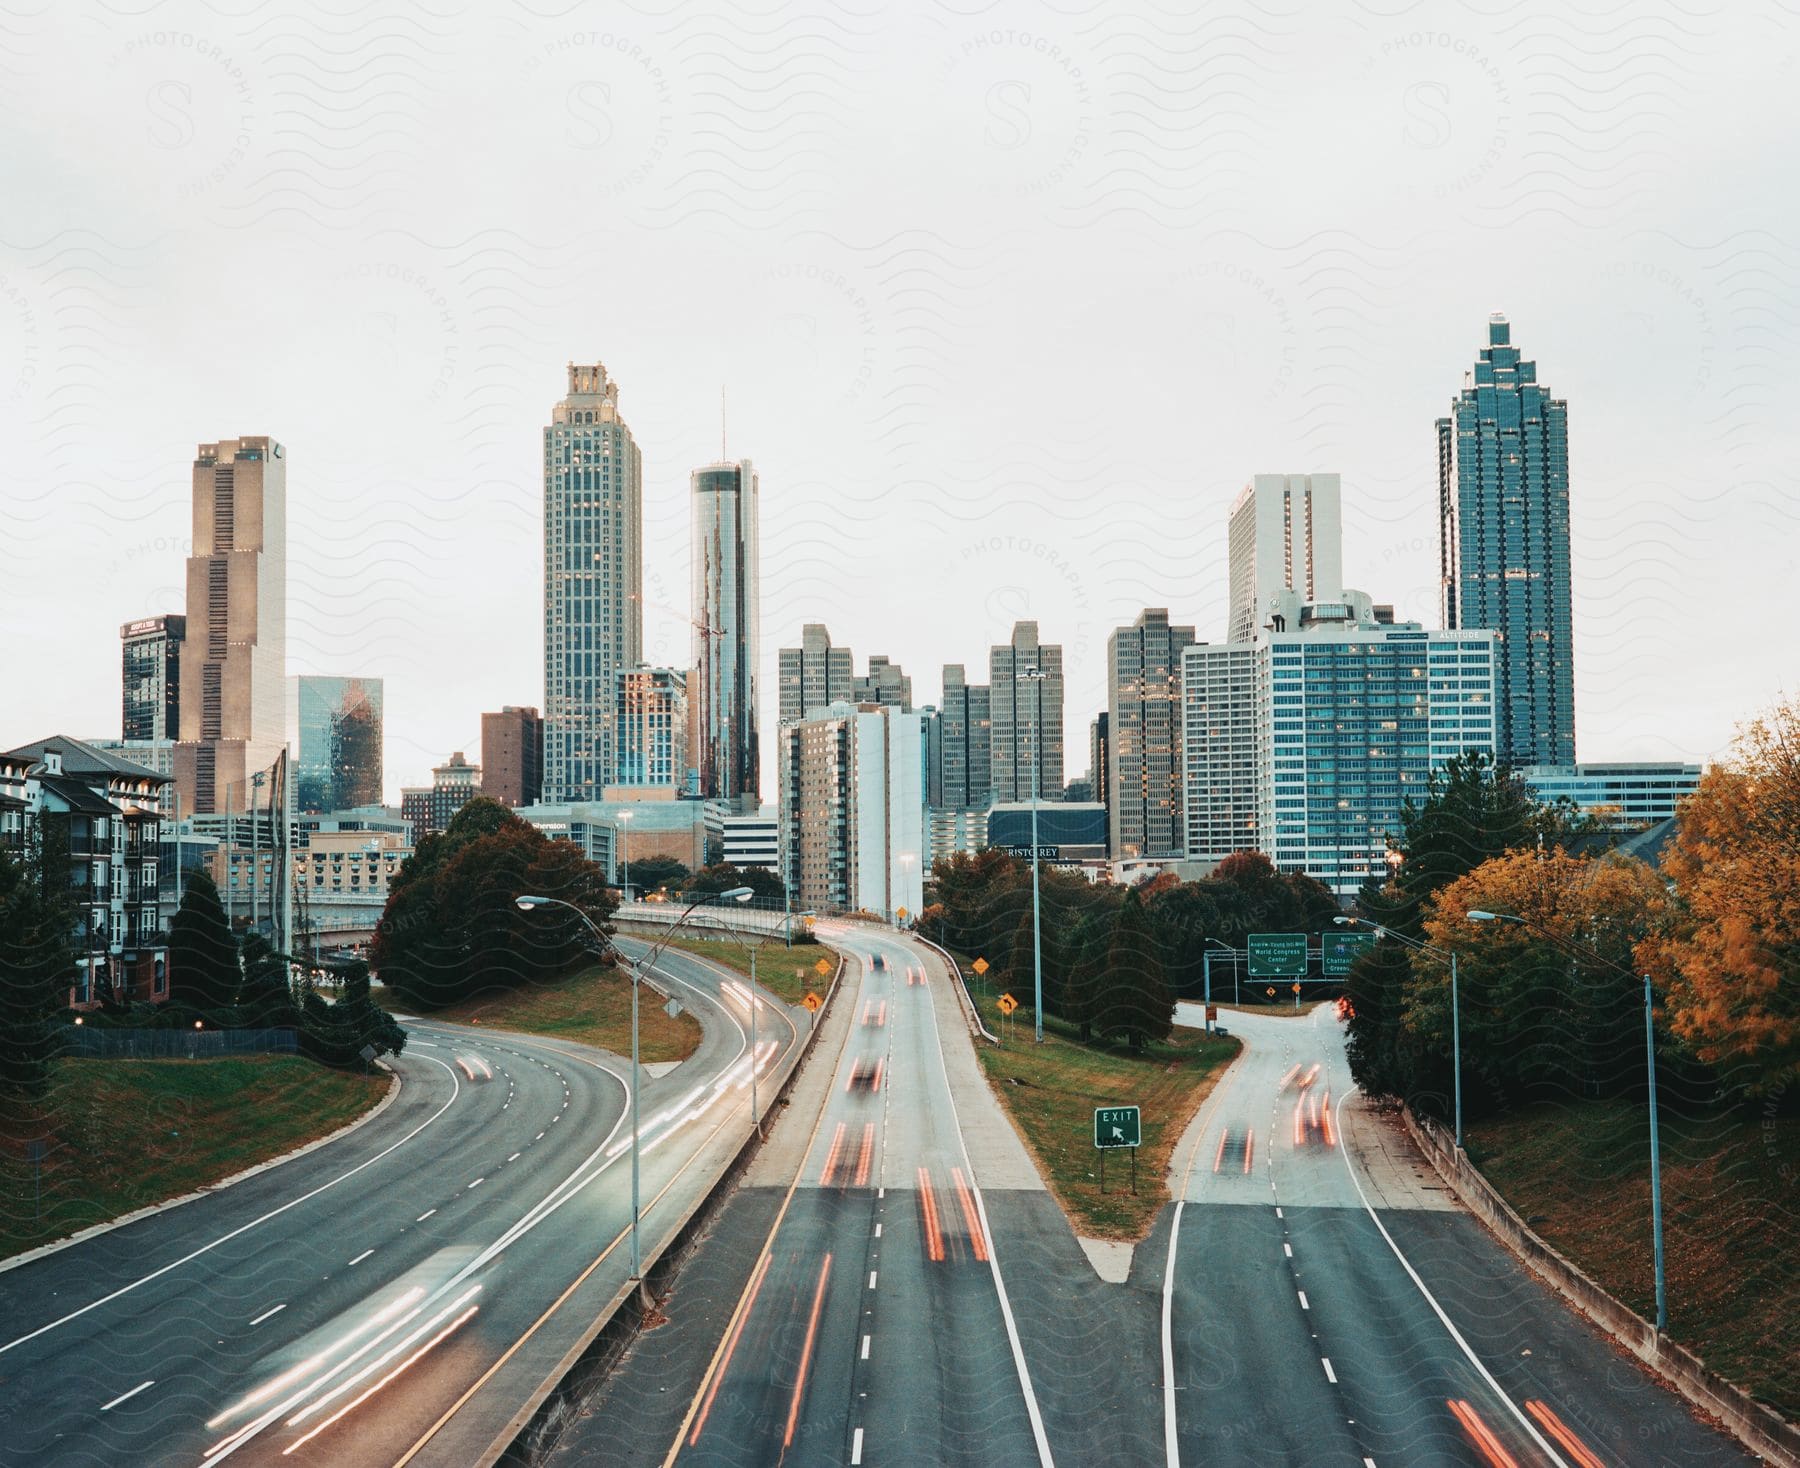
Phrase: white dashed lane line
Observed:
(362, 1256)
(142, 1386)
(478, 1181)
(513, 1158)
(1330, 1375)
(267, 1313)
(425, 1215)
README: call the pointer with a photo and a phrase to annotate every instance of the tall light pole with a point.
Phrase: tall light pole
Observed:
(1037, 676)
(907, 858)
(639, 975)
(1476, 915)
(1206, 971)
(742, 894)
(1455, 1005)
(624, 820)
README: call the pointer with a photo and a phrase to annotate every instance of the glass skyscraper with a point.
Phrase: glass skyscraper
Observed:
(1503, 512)
(593, 582)
(727, 637)
(335, 725)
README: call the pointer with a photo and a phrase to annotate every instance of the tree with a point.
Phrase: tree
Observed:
(203, 955)
(1375, 992)
(37, 957)
(1136, 1002)
(1730, 955)
(1084, 983)
(765, 885)
(264, 999)
(337, 1034)
(653, 873)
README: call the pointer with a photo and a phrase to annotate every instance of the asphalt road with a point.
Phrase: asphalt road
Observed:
(1306, 1327)
(396, 1295)
(873, 1328)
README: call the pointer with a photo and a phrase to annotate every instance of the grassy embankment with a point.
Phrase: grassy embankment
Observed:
(1051, 1091)
(1580, 1174)
(787, 972)
(120, 1135)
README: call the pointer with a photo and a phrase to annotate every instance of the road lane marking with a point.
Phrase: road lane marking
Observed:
(1288, 1249)
(1330, 1375)
(425, 1215)
(478, 1182)
(1437, 1309)
(267, 1313)
(812, 1334)
(1303, 1304)
(142, 1386)
(730, 1344)
(1562, 1432)
(856, 1447)
(871, 1279)
(878, 1230)
(538, 1138)
(865, 1348)
(359, 1258)
(513, 1158)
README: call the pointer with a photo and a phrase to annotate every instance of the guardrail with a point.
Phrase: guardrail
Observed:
(970, 1012)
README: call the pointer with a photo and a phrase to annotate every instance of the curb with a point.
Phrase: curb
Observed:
(1758, 1428)
(151, 1209)
(971, 1016)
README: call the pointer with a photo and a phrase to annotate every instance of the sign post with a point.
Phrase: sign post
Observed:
(1006, 1004)
(1296, 996)
(981, 967)
(1118, 1126)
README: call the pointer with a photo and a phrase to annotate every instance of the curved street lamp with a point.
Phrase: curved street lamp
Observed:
(639, 971)
(1477, 915)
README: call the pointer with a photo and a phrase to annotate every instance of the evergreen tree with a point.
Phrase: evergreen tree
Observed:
(203, 956)
(1136, 1002)
(264, 999)
(37, 957)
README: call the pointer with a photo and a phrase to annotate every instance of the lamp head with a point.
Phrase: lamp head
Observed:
(1476, 915)
(526, 903)
(1341, 920)
(738, 894)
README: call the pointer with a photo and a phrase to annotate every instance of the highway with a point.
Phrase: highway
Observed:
(874, 1327)
(395, 1296)
(1325, 1302)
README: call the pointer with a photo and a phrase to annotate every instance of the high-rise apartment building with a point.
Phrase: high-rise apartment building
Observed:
(1218, 748)
(1144, 775)
(1027, 742)
(964, 767)
(593, 581)
(150, 651)
(234, 671)
(1100, 755)
(1503, 518)
(727, 641)
(813, 675)
(654, 743)
(334, 728)
(1286, 534)
(884, 683)
(512, 756)
(852, 810)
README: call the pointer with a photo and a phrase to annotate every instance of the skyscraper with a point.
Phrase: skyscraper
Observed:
(1027, 738)
(1286, 534)
(885, 683)
(728, 640)
(965, 777)
(813, 675)
(334, 725)
(233, 709)
(1503, 537)
(1144, 773)
(593, 580)
(512, 756)
(150, 667)
(654, 747)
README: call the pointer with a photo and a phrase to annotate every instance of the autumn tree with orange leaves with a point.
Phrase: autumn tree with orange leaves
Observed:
(1730, 956)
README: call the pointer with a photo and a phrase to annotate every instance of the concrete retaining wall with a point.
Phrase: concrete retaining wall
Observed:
(1751, 1423)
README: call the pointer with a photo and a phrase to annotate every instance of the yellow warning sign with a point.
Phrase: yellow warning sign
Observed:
(821, 968)
(980, 965)
(812, 1001)
(1008, 1004)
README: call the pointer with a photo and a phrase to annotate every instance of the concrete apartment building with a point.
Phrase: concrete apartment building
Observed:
(512, 755)
(1026, 741)
(814, 675)
(1144, 774)
(1285, 534)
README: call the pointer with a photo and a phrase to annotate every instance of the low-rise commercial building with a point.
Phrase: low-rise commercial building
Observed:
(1622, 795)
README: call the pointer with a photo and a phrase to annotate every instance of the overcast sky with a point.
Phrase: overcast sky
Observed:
(1008, 301)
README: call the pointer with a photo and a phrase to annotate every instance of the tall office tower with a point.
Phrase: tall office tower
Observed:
(1027, 737)
(334, 727)
(593, 581)
(814, 674)
(1144, 776)
(1286, 534)
(885, 683)
(1503, 538)
(653, 727)
(1218, 748)
(965, 777)
(151, 677)
(512, 756)
(234, 663)
(1100, 754)
(727, 642)
(852, 810)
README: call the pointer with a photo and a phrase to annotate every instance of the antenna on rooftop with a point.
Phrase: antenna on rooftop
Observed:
(721, 423)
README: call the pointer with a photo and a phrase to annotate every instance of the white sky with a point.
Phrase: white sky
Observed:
(1008, 300)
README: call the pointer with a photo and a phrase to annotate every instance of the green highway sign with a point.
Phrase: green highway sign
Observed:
(1277, 955)
(1343, 949)
(1117, 1126)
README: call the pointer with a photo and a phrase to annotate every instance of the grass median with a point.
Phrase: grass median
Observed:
(1051, 1091)
(591, 1007)
(787, 972)
(1580, 1175)
(120, 1135)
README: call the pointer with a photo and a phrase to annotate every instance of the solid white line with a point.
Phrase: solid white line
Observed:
(865, 1348)
(1303, 1304)
(1330, 1375)
(1168, 1339)
(856, 1446)
(423, 1216)
(456, 1089)
(267, 1313)
(360, 1257)
(1431, 1300)
(140, 1387)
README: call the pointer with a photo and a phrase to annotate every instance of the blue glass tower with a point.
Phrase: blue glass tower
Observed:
(1503, 513)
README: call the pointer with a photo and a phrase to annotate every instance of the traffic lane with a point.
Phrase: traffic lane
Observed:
(1540, 1351)
(1249, 1385)
(279, 1285)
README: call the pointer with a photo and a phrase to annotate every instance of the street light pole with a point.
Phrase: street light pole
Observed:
(624, 819)
(1476, 915)
(1035, 675)
(1206, 970)
(1455, 1007)
(639, 973)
